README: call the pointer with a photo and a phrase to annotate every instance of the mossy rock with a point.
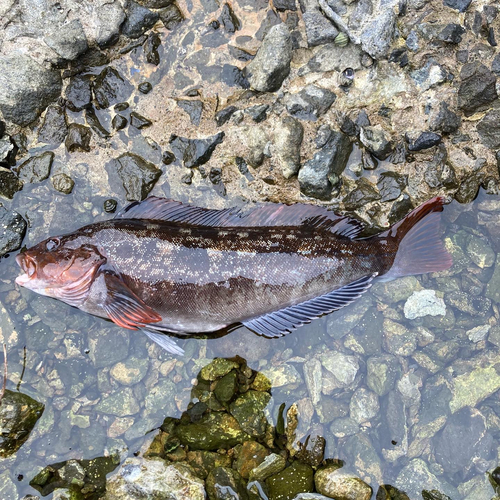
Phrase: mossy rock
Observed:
(287, 484)
(248, 410)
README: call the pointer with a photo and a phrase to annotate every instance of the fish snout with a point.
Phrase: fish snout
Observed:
(28, 265)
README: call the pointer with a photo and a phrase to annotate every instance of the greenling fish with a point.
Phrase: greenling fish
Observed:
(166, 267)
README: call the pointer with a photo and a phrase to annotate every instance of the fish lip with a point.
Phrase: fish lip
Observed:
(27, 264)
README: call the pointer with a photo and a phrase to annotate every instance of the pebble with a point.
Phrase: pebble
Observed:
(364, 405)
(319, 30)
(310, 103)
(63, 183)
(78, 138)
(341, 484)
(288, 137)
(37, 168)
(424, 303)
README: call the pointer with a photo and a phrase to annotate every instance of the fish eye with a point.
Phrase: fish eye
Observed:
(52, 244)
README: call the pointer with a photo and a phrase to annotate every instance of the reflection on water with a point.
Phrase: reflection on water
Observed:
(411, 403)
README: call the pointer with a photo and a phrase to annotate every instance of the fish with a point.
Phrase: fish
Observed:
(176, 270)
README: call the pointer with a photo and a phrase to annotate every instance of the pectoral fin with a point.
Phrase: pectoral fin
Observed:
(124, 307)
(279, 323)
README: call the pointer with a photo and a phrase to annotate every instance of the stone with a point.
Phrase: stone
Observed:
(381, 373)
(430, 75)
(138, 121)
(63, 183)
(120, 403)
(78, 138)
(282, 5)
(359, 450)
(425, 140)
(204, 461)
(377, 141)
(68, 41)
(195, 152)
(257, 113)
(250, 456)
(18, 415)
(310, 103)
(12, 231)
(341, 484)
(228, 19)
(224, 483)
(313, 379)
(460, 5)
(319, 30)
(342, 366)
(218, 368)
(480, 252)
(26, 88)
(54, 127)
(153, 478)
(171, 16)
(398, 339)
(489, 130)
(255, 139)
(270, 466)
(319, 176)
(477, 88)
(377, 35)
(137, 175)
(193, 108)
(227, 387)
(423, 303)
(110, 17)
(155, 4)
(37, 168)
(285, 375)
(451, 33)
(296, 478)
(139, 19)
(108, 346)
(271, 65)
(223, 116)
(8, 151)
(364, 192)
(363, 406)
(288, 138)
(160, 398)
(444, 120)
(342, 427)
(78, 93)
(391, 292)
(119, 122)
(9, 184)
(390, 186)
(152, 57)
(493, 287)
(248, 410)
(111, 88)
(129, 372)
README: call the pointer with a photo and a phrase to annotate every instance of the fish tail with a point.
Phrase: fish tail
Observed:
(420, 245)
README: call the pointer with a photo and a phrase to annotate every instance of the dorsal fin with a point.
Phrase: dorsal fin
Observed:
(272, 214)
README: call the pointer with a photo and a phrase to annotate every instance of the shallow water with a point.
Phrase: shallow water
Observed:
(440, 363)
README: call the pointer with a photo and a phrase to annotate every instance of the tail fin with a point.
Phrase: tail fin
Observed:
(420, 245)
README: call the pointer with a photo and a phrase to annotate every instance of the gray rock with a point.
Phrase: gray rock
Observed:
(37, 168)
(429, 75)
(78, 138)
(377, 36)
(78, 93)
(8, 150)
(193, 108)
(224, 483)
(342, 366)
(109, 16)
(424, 303)
(390, 186)
(138, 176)
(377, 141)
(312, 377)
(493, 287)
(319, 176)
(342, 427)
(381, 373)
(425, 140)
(63, 183)
(271, 64)
(153, 478)
(257, 113)
(451, 33)
(364, 192)
(331, 57)
(363, 406)
(288, 138)
(478, 333)
(26, 88)
(12, 231)
(477, 88)
(55, 127)
(460, 5)
(171, 16)
(138, 121)
(489, 129)
(310, 103)
(111, 88)
(9, 184)
(195, 152)
(108, 346)
(398, 339)
(444, 120)
(68, 41)
(340, 483)
(155, 4)
(139, 19)
(319, 30)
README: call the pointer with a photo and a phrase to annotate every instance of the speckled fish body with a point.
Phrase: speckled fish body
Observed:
(187, 270)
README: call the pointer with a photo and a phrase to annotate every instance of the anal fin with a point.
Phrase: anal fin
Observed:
(164, 341)
(283, 321)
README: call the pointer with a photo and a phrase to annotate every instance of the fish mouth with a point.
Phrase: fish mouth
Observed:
(28, 265)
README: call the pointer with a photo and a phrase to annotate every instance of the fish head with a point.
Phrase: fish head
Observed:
(60, 267)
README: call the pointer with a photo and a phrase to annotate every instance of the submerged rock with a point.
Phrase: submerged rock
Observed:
(18, 415)
(195, 152)
(310, 103)
(288, 140)
(111, 88)
(296, 478)
(37, 168)
(26, 88)
(224, 483)
(54, 127)
(137, 175)
(68, 41)
(424, 303)
(341, 484)
(271, 65)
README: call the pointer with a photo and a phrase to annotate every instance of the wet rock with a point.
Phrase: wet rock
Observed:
(312, 451)
(271, 64)
(468, 304)
(398, 339)
(111, 88)
(342, 427)
(493, 287)
(218, 368)
(478, 333)
(282, 5)
(359, 450)
(270, 466)
(211, 432)
(250, 456)
(394, 291)
(54, 127)
(120, 403)
(18, 415)
(477, 88)
(285, 375)
(224, 483)
(489, 130)
(37, 168)
(248, 410)
(234, 76)
(95, 124)
(129, 372)
(480, 252)
(363, 406)
(195, 152)
(226, 387)
(8, 151)
(119, 122)
(68, 41)
(377, 141)
(63, 183)
(193, 108)
(319, 176)
(139, 19)
(445, 120)
(138, 121)
(425, 140)
(137, 175)
(26, 88)
(153, 478)
(364, 192)
(319, 30)
(339, 483)
(295, 479)
(78, 138)
(78, 93)
(439, 172)
(110, 17)
(171, 16)
(468, 190)
(377, 36)
(224, 115)
(107, 346)
(228, 19)
(342, 366)
(390, 186)
(145, 88)
(310, 103)
(9, 184)
(381, 373)
(258, 113)
(288, 140)
(460, 5)
(313, 379)
(151, 50)
(424, 303)
(388, 492)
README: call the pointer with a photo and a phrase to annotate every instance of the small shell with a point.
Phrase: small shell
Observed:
(341, 40)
